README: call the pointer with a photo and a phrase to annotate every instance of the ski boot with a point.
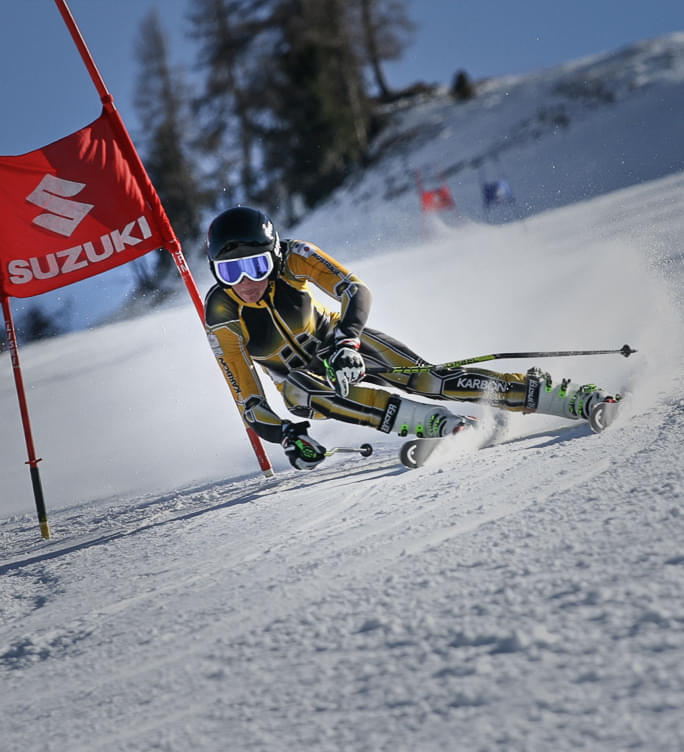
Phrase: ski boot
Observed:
(423, 421)
(428, 423)
(568, 400)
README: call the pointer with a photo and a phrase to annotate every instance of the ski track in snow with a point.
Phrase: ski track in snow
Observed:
(524, 586)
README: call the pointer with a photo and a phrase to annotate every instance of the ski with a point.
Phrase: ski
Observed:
(603, 414)
(415, 452)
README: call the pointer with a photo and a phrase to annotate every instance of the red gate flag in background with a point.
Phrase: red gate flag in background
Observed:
(71, 210)
(439, 198)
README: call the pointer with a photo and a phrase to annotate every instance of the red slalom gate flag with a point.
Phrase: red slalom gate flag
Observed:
(439, 198)
(71, 210)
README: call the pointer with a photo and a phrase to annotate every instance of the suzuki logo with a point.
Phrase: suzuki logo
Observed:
(70, 260)
(66, 215)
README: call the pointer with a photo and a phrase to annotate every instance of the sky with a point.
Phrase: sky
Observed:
(46, 93)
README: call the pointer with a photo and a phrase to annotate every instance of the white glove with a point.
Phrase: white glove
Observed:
(345, 365)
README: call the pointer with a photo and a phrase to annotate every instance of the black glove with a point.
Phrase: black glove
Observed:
(345, 366)
(303, 452)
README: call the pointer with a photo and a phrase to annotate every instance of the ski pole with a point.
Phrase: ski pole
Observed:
(625, 350)
(365, 450)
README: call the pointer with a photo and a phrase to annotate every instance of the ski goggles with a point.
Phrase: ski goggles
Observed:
(255, 268)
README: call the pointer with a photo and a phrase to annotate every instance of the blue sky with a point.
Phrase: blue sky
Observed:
(46, 93)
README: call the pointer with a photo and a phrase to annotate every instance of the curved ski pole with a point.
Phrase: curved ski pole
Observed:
(365, 450)
(625, 350)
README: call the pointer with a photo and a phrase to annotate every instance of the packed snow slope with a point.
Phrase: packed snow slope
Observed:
(526, 595)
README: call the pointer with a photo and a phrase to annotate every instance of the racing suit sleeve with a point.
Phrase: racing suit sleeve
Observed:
(227, 342)
(308, 262)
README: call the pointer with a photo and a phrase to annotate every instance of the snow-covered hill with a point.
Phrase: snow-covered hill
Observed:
(559, 136)
(522, 597)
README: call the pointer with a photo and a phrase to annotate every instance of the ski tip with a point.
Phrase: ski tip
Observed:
(415, 452)
(407, 455)
(603, 415)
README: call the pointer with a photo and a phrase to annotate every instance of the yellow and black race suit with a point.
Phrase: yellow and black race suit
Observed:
(288, 332)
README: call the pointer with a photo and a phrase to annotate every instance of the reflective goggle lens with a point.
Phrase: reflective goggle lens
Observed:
(254, 267)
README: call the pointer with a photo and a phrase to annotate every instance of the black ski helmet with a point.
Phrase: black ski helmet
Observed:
(240, 232)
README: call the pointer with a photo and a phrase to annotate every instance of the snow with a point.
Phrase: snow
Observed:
(523, 596)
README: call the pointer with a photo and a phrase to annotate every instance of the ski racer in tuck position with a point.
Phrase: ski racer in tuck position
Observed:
(261, 312)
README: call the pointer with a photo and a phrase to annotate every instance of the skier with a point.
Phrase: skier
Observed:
(261, 312)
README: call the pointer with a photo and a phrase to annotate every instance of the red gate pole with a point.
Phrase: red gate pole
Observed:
(23, 408)
(172, 244)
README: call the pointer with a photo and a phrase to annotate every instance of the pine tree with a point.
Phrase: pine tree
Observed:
(162, 104)
(285, 112)
(386, 29)
(36, 323)
(319, 112)
(276, 109)
(225, 31)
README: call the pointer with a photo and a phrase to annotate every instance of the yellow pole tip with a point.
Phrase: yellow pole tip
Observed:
(45, 529)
